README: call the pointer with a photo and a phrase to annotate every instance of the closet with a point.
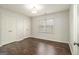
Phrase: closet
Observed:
(14, 26)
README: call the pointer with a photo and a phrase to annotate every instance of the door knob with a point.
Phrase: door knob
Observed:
(76, 44)
(10, 31)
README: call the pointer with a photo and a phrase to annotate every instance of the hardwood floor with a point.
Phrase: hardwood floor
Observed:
(34, 46)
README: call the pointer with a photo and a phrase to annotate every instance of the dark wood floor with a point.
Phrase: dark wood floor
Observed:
(34, 46)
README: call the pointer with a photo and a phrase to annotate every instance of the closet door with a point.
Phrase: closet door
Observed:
(0, 29)
(15, 27)
(8, 28)
(23, 27)
(20, 28)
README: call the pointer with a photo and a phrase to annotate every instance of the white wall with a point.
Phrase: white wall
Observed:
(61, 27)
(14, 26)
(73, 28)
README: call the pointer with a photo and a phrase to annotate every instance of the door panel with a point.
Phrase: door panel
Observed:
(8, 29)
(78, 28)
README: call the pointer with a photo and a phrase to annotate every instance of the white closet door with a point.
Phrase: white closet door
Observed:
(14, 27)
(20, 28)
(27, 27)
(23, 27)
(8, 28)
(0, 29)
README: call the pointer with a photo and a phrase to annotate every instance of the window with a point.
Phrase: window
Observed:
(46, 26)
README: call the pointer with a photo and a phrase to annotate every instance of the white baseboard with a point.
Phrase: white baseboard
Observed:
(52, 40)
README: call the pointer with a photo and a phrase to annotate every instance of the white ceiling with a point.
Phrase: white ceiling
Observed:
(46, 8)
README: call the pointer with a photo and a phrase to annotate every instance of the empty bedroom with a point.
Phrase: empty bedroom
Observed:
(36, 29)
